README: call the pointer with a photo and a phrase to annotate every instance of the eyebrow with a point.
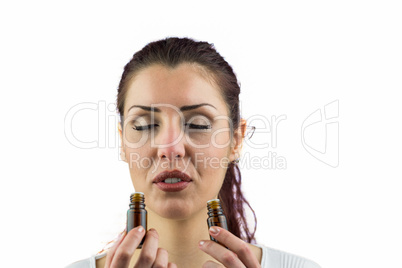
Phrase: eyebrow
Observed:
(183, 108)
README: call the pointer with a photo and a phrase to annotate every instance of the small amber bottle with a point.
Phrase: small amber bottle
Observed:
(137, 214)
(216, 215)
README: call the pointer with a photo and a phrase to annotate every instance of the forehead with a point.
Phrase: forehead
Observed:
(184, 85)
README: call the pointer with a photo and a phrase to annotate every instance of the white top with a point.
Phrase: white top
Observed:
(271, 258)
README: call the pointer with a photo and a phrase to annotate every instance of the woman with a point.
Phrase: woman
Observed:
(179, 104)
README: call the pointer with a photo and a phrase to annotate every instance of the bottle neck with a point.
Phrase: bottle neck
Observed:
(215, 212)
(137, 200)
(214, 208)
(137, 205)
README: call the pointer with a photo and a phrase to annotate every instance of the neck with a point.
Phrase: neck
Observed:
(181, 237)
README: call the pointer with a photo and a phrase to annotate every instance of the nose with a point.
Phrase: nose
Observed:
(170, 143)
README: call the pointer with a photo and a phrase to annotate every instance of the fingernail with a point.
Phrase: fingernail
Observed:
(154, 231)
(214, 230)
(140, 229)
(201, 243)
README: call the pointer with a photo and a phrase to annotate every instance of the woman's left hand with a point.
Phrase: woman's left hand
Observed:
(239, 255)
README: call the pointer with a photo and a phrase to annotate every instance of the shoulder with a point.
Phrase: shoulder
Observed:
(87, 263)
(274, 258)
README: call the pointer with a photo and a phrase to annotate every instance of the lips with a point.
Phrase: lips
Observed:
(172, 187)
(171, 174)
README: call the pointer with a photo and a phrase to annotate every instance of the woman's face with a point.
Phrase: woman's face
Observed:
(187, 130)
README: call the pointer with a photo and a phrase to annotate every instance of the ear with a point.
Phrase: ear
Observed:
(122, 152)
(238, 138)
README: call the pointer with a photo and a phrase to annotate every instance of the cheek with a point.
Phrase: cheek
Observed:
(139, 162)
(212, 182)
(212, 165)
(214, 159)
(199, 140)
(134, 158)
(220, 139)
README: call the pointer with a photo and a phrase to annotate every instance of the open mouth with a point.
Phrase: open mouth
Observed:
(172, 181)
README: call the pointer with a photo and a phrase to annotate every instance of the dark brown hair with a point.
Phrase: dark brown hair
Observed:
(171, 52)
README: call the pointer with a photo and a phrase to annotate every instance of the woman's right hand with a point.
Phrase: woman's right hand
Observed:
(119, 256)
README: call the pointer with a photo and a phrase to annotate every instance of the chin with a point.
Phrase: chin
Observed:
(174, 210)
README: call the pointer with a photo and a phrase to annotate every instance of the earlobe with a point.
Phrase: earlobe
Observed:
(243, 127)
(123, 155)
(238, 140)
(119, 128)
(240, 133)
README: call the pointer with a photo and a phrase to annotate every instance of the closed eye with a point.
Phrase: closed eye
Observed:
(146, 127)
(195, 126)
(191, 126)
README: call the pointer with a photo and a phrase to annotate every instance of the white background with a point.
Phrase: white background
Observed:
(60, 203)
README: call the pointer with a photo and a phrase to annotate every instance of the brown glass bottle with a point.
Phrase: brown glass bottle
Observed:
(216, 216)
(137, 215)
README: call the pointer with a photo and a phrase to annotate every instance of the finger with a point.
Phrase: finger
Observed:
(162, 259)
(220, 253)
(126, 249)
(211, 264)
(112, 250)
(172, 265)
(149, 249)
(238, 246)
